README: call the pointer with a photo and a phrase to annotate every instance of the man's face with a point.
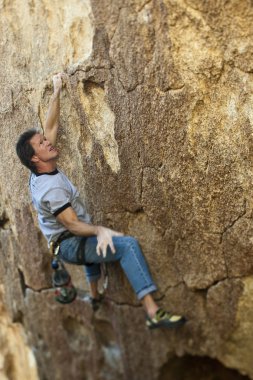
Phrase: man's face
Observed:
(44, 150)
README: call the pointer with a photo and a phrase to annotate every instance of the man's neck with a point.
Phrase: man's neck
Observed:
(46, 167)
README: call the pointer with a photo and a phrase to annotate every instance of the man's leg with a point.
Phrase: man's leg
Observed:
(94, 289)
(131, 259)
(93, 274)
(147, 301)
(149, 305)
(71, 251)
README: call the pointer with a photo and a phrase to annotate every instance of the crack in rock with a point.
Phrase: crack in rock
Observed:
(229, 226)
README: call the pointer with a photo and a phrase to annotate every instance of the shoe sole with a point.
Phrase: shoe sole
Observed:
(167, 325)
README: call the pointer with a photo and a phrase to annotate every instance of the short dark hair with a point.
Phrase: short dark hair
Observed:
(24, 149)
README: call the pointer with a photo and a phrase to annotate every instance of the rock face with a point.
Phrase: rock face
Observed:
(17, 361)
(156, 132)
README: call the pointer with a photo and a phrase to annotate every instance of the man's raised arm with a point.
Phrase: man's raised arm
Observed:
(53, 114)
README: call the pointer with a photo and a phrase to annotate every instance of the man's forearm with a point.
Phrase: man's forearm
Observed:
(53, 114)
(104, 235)
(80, 228)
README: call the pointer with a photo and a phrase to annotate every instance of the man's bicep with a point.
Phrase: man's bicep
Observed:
(67, 216)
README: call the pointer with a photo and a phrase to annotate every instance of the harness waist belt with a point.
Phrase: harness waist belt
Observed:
(80, 255)
(63, 236)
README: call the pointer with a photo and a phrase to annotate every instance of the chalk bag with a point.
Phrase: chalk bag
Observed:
(65, 292)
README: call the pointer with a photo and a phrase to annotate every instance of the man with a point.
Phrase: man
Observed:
(63, 219)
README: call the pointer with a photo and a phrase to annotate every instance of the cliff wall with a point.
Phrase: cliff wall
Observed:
(156, 132)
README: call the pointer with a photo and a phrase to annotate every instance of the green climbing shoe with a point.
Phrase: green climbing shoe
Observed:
(165, 319)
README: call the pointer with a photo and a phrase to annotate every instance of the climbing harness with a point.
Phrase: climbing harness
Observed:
(65, 292)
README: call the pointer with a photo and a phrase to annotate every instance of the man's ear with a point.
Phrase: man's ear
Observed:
(34, 158)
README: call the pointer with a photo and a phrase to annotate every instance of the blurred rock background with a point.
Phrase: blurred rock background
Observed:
(157, 133)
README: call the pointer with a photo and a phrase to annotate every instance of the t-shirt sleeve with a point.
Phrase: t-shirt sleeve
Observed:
(56, 200)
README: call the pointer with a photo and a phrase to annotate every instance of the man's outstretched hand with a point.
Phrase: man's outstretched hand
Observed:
(104, 236)
(57, 82)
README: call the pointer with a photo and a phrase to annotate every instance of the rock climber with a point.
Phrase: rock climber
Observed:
(63, 219)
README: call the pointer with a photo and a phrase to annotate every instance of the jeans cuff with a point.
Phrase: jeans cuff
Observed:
(94, 277)
(144, 292)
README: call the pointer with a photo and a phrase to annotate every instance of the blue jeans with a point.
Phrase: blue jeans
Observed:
(128, 253)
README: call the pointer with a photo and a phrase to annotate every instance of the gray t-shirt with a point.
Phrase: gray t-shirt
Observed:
(51, 194)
